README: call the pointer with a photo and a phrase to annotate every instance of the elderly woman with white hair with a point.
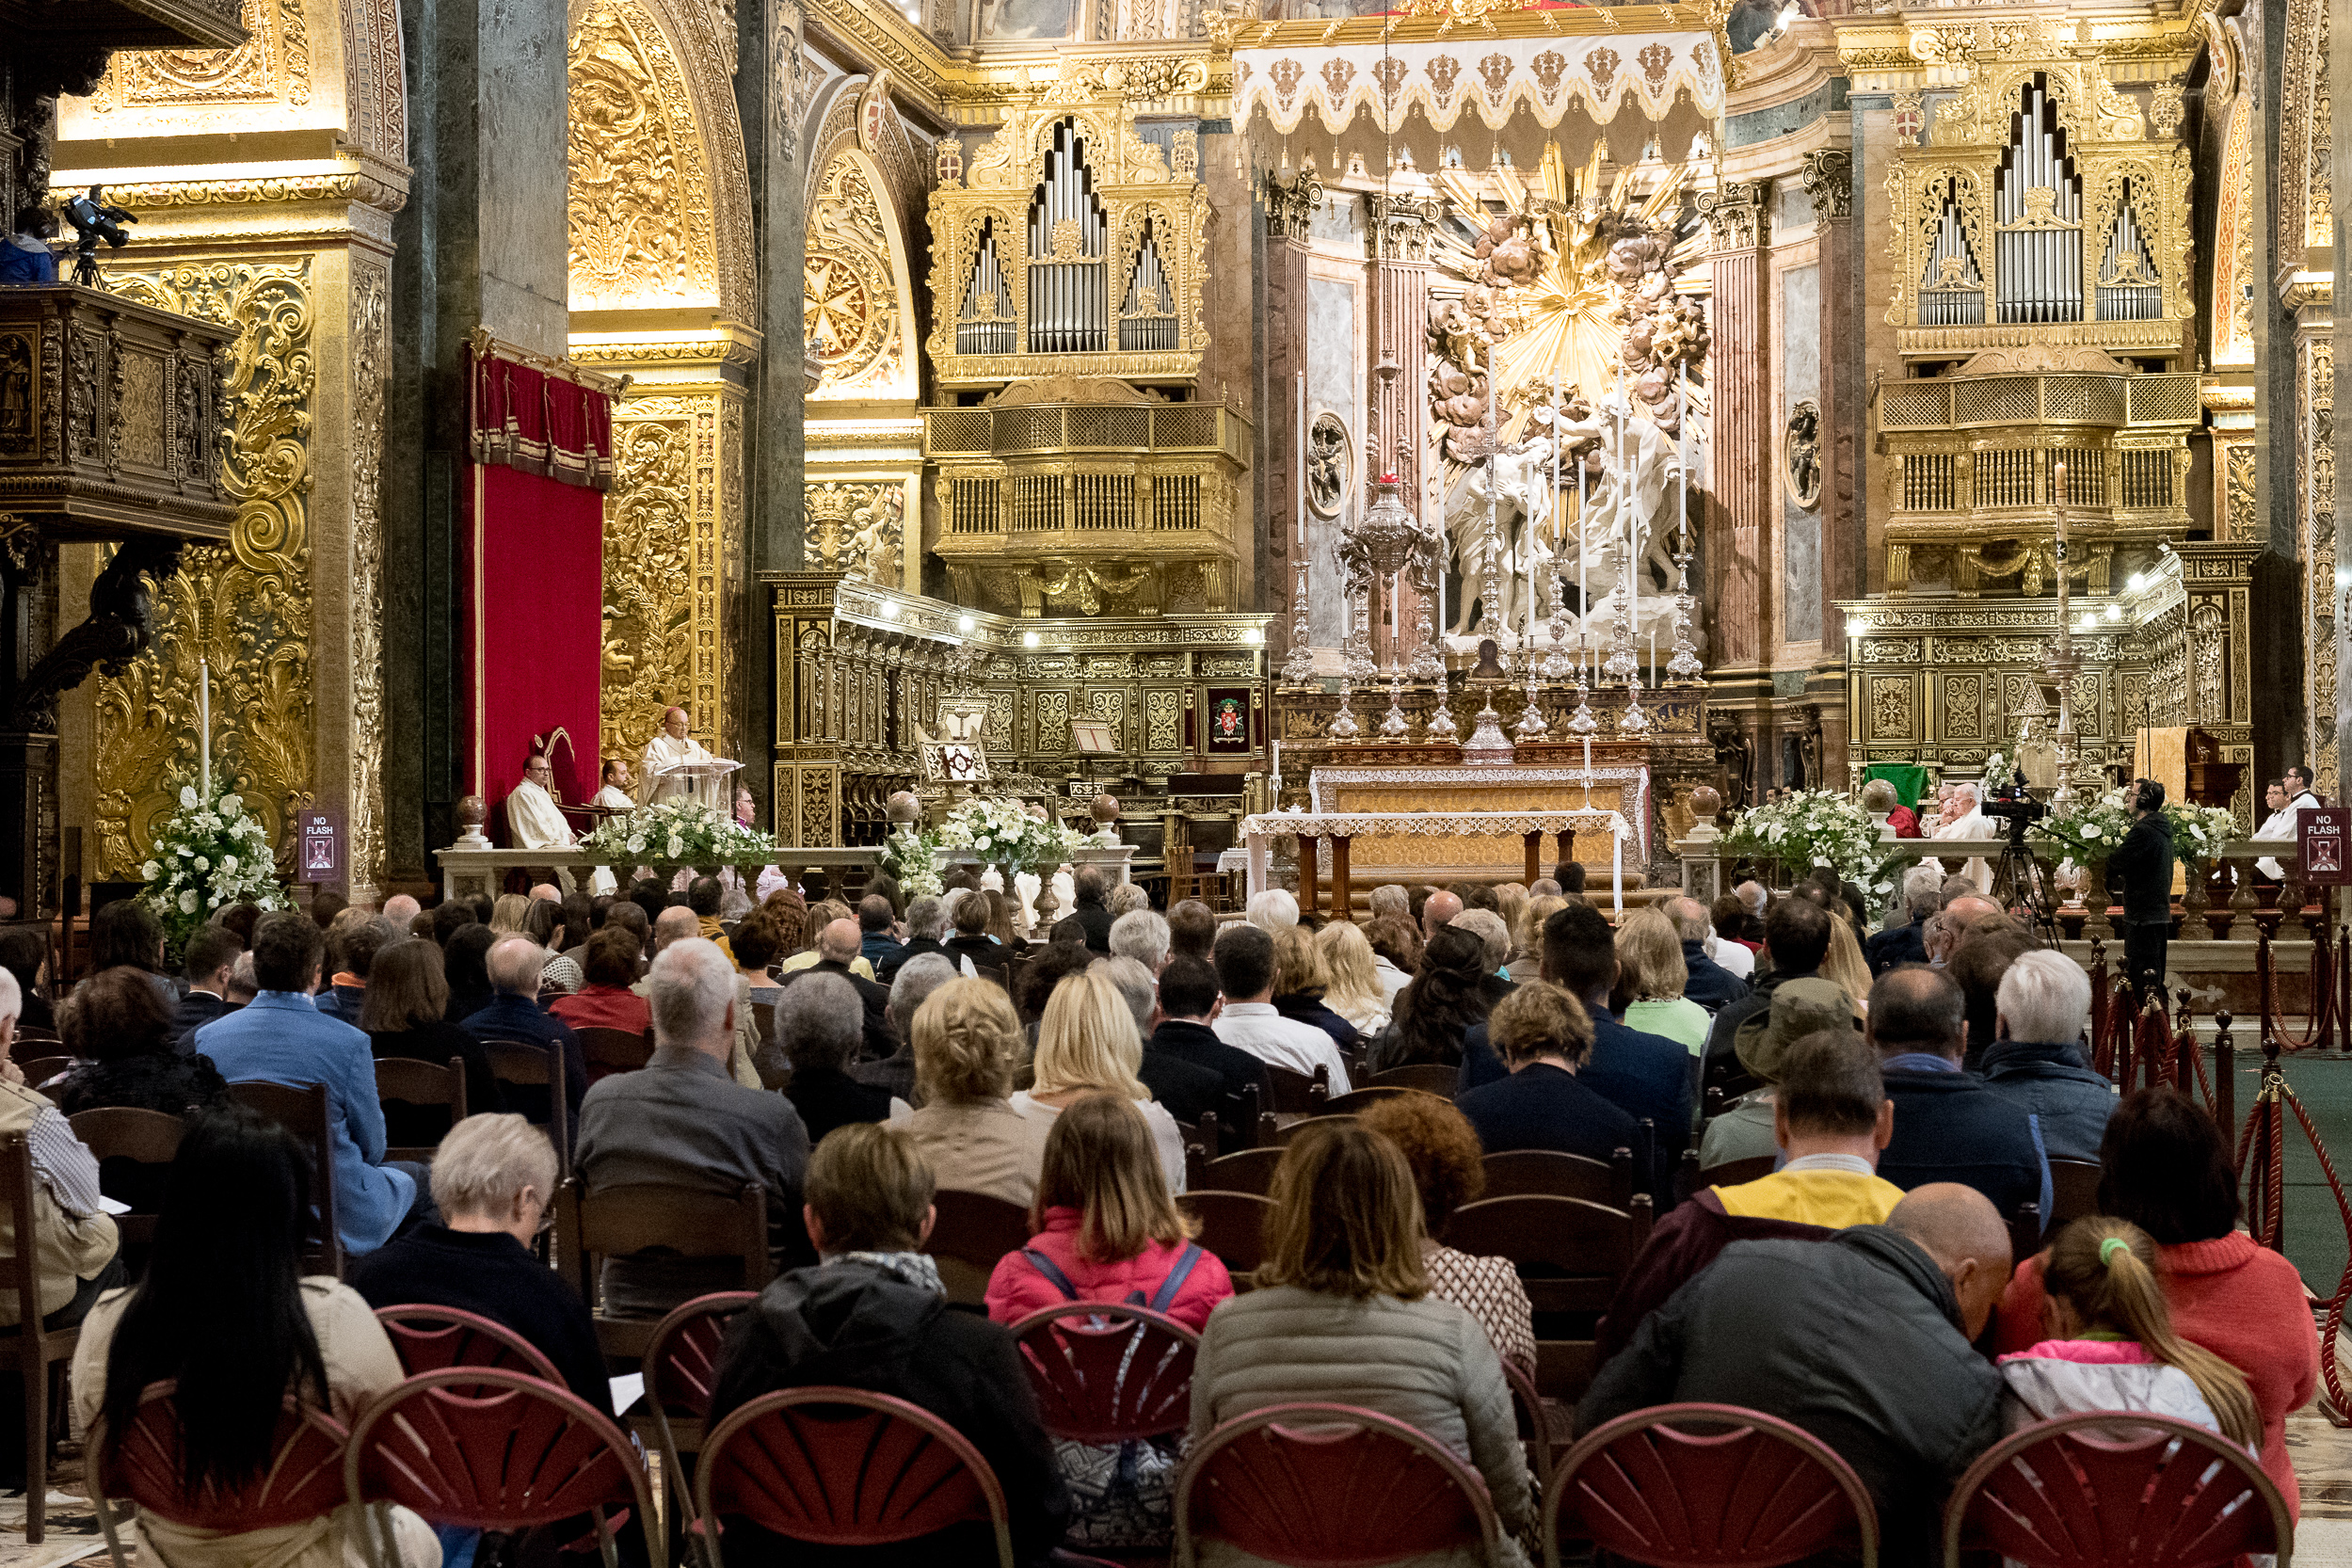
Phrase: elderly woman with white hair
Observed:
(1272, 911)
(2041, 1021)
(494, 1180)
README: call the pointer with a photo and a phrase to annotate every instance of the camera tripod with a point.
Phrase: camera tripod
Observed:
(2019, 881)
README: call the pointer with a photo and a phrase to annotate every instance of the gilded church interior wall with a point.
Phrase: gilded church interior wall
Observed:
(660, 274)
(283, 232)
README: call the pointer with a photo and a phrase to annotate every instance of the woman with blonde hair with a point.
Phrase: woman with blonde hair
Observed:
(1342, 1313)
(2112, 1346)
(1106, 1231)
(1354, 990)
(1526, 937)
(1300, 981)
(1651, 974)
(1511, 903)
(968, 1044)
(1846, 964)
(1087, 1043)
(507, 913)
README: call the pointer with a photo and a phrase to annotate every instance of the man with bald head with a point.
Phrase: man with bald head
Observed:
(678, 924)
(1439, 912)
(1863, 1340)
(838, 944)
(516, 962)
(1949, 1127)
(400, 909)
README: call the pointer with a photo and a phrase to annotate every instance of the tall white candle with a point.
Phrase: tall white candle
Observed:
(204, 726)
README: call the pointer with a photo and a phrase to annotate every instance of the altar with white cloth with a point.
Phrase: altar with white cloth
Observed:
(1619, 789)
(1343, 829)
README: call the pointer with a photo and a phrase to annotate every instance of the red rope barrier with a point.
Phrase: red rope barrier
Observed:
(2320, 977)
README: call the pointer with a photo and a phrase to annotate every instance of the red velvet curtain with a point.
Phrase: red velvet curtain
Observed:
(534, 586)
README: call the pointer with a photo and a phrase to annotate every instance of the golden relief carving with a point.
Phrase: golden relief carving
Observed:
(271, 66)
(859, 530)
(2317, 395)
(2301, 204)
(371, 360)
(2234, 242)
(245, 607)
(642, 229)
(651, 528)
(375, 80)
(2239, 493)
(852, 311)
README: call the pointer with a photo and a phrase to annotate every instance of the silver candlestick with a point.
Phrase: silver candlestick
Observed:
(1684, 665)
(1343, 725)
(1394, 726)
(1441, 719)
(1532, 725)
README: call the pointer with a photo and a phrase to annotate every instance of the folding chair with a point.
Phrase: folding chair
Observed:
(843, 1468)
(483, 1448)
(1105, 1373)
(2106, 1489)
(147, 1141)
(301, 1481)
(32, 1350)
(1232, 1226)
(615, 1050)
(528, 1065)
(1708, 1486)
(1382, 1491)
(428, 1339)
(680, 1370)
(1546, 1173)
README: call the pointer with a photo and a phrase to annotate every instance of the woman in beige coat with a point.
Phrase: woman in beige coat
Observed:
(967, 1044)
(1342, 1314)
(223, 1314)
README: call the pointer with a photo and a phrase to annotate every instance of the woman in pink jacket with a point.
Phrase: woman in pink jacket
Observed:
(1108, 1232)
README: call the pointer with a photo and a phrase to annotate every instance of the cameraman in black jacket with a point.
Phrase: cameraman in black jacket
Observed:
(2144, 861)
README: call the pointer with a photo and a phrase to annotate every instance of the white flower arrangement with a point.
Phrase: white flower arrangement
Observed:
(1806, 828)
(2200, 832)
(913, 858)
(2091, 828)
(1002, 832)
(208, 856)
(1996, 776)
(679, 831)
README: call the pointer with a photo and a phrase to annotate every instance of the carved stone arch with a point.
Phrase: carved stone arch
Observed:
(2304, 184)
(661, 200)
(859, 291)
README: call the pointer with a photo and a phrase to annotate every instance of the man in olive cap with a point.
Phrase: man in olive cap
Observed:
(1798, 1008)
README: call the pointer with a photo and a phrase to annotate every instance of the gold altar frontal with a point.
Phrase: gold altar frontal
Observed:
(1645, 778)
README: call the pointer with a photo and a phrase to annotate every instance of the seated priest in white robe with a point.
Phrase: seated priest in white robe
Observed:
(1971, 823)
(671, 747)
(615, 793)
(533, 821)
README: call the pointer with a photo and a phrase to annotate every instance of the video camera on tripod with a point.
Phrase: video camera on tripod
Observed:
(2014, 804)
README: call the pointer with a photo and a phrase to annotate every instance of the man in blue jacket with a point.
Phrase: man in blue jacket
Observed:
(2036, 1060)
(1949, 1125)
(279, 1037)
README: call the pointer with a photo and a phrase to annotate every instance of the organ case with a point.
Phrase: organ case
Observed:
(1070, 244)
(2040, 211)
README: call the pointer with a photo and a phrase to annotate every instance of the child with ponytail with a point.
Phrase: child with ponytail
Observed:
(2111, 1344)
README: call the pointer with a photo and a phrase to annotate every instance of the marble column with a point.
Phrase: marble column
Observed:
(1744, 466)
(483, 242)
(1829, 180)
(1289, 211)
(771, 103)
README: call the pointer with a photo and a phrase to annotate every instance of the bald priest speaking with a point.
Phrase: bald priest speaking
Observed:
(671, 749)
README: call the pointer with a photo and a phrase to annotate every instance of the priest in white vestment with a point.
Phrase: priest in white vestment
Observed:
(533, 821)
(1971, 823)
(2283, 824)
(669, 747)
(615, 793)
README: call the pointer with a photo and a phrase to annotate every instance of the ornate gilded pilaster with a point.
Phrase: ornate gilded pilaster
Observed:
(2315, 526)
(248, 606)
(1289, 208)
(1744, 463)
(371, 352)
